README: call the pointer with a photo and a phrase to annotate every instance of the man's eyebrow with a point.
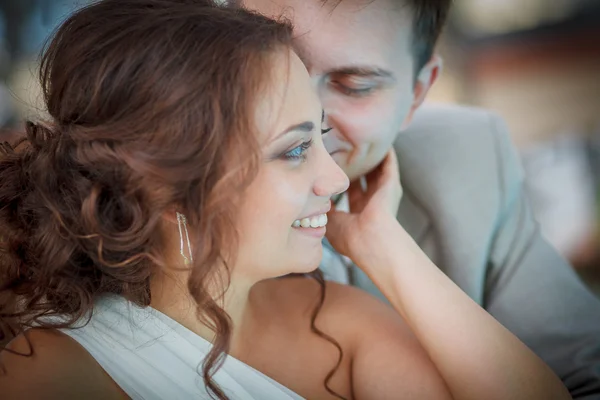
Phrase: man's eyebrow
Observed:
(364, 71)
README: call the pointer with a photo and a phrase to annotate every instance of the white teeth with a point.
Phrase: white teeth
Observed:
(323, 219)
(305, 222)
(317, 221)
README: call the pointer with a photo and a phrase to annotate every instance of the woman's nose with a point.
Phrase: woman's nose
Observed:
(331, 180)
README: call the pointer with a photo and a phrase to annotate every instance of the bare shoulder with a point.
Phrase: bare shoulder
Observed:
(385, 356)
(347, 312)
(49, 364)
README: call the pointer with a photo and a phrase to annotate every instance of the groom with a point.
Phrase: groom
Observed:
(373, 63)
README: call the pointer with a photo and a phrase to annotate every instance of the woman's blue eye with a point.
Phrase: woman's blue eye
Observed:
(298, 152)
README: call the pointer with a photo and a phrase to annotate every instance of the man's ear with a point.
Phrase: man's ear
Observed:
(426, 77)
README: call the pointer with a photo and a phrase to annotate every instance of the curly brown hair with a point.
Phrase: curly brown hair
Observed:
(151, 106)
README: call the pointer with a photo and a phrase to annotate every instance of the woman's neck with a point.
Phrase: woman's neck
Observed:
(170, 295)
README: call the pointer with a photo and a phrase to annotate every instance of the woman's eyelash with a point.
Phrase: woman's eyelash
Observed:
(324, 131)
(299, 152)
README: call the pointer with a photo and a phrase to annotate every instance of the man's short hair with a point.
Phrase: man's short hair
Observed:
(429, 20)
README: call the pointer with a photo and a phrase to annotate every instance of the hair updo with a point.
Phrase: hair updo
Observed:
(151, 105)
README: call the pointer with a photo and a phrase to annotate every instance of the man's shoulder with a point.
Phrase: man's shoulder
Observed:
(431, 116)
(446, 144)
(450, 127)
(458, 164)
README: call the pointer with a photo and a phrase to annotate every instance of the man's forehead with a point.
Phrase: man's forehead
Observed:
(351, 59)
(343, 34)
(335, 43)
(328, 5)
(367, 13)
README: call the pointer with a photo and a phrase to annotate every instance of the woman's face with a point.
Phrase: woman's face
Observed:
(282, 218)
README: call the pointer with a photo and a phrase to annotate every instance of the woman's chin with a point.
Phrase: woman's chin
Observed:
(307, 269)
(304, 268)
(299, 261)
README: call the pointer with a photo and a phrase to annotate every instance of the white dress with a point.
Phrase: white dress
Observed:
(150, 356)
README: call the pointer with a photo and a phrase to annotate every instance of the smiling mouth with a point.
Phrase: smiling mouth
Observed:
(318, 221)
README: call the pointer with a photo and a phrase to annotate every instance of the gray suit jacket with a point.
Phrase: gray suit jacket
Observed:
(464, 204)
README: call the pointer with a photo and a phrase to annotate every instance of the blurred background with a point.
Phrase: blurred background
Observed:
(537, 64)
(534, 62)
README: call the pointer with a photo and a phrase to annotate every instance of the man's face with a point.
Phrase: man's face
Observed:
(360, 57)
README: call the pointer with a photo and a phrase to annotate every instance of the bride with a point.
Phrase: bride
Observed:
(161, 230)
